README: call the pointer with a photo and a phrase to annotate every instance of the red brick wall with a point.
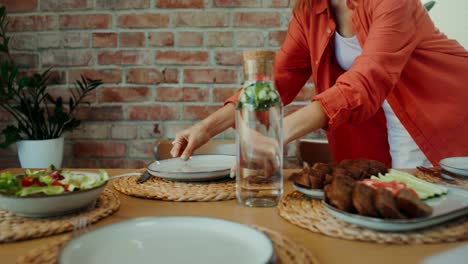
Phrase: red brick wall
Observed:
(165, 64)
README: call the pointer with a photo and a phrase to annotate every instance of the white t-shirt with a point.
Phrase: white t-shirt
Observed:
(404, 151)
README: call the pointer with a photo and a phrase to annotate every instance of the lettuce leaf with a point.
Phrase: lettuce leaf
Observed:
(9, 184)
(83, 182)
(49, 190)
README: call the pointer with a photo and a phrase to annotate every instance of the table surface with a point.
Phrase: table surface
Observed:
(326, 249)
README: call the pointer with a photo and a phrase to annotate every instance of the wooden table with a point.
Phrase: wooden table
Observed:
(326, 249)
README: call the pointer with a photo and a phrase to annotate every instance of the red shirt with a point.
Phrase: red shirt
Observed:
(405, 59)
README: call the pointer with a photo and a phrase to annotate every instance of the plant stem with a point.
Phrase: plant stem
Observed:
(19, 119)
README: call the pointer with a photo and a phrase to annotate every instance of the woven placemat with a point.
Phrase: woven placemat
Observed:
(310, 214)
(157, 188)
(433, 175)
(15, 228)
(286, 250)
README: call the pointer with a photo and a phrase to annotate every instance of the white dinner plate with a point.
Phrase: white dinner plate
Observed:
(457, 165)
(445, 208)
(197, 168)
(312, 193)
(170, 240)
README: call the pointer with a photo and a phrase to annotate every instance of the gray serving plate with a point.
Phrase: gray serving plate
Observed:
(446, 207)
(312, 193)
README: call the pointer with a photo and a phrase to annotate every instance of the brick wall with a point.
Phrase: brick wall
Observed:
(165, 65)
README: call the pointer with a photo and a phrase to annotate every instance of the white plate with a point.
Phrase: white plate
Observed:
(170, 240)
(454, 255)
(446, 207)
(313, 193)
(52, 205)
(197, 168)
(457, 165)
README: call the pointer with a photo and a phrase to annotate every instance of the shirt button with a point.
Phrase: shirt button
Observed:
(329, 31)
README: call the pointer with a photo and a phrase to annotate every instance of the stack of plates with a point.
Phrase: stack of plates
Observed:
(457, 165)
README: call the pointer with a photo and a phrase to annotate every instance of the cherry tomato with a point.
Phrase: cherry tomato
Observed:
(27, 181)
(56, 176)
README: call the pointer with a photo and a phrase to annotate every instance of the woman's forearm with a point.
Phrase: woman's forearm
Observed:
(220, 120)
(304, 121)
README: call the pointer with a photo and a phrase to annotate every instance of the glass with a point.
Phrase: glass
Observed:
(259, 134)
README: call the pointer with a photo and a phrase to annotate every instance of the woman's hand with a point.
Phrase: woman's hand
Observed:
(259, 151)
(188, 140)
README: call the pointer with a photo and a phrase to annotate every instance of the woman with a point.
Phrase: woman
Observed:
(390, 86)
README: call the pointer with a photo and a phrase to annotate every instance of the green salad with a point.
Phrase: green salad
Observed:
(258, 95)
(48, 182)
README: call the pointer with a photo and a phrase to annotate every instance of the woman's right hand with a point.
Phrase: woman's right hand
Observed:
(188, 140)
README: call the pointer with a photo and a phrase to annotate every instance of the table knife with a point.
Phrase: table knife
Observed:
(143, 178)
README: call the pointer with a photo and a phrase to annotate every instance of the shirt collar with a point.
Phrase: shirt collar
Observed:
(320, 6)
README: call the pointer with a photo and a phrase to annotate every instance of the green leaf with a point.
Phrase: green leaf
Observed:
(11, 134)
(9, 183)
(429, 5)
(71, 103)
(24, 82)
(70, 126)
(2, 11)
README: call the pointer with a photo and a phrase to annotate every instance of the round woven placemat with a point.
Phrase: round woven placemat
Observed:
(310, 214)
(157, 188)
(433, 175)
(15, 228)
(286, 250)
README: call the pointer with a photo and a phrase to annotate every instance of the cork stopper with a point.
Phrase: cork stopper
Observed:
(259, 55)
(258, 64)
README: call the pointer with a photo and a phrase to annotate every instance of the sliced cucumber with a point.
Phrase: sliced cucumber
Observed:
(406, 177)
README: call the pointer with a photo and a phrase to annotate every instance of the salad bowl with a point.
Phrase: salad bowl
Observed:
(81, 190)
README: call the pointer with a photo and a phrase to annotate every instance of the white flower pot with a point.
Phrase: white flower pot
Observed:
(40, 153)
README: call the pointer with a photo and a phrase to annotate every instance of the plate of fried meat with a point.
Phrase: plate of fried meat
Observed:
(366, 193)
(312, 179)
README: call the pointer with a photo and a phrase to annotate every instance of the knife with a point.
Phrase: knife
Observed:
(143, 178)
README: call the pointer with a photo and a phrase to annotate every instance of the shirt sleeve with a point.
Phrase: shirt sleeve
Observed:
(292, 63)
(360, 92)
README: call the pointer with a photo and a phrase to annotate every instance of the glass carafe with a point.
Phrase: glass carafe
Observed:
(259, 134)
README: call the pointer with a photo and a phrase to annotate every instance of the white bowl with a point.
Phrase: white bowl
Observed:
(171, 240)
(457, 165)
(51, 205)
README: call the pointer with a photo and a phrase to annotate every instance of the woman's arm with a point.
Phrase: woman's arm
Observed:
(188, 140)
(304, 121)
(292, 70)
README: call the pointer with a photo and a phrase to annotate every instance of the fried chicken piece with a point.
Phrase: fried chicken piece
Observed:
(294, 176)
(328, 179)
(336, 171)
(315, 182)
(339, 192)
(356, 171)
(386, 205)
(363, 199)
(302, 179)
(324, 167)
(409, 203)
(376, 167)
(317, 178)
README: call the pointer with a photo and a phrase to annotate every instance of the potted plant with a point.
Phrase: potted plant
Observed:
(39, 118)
